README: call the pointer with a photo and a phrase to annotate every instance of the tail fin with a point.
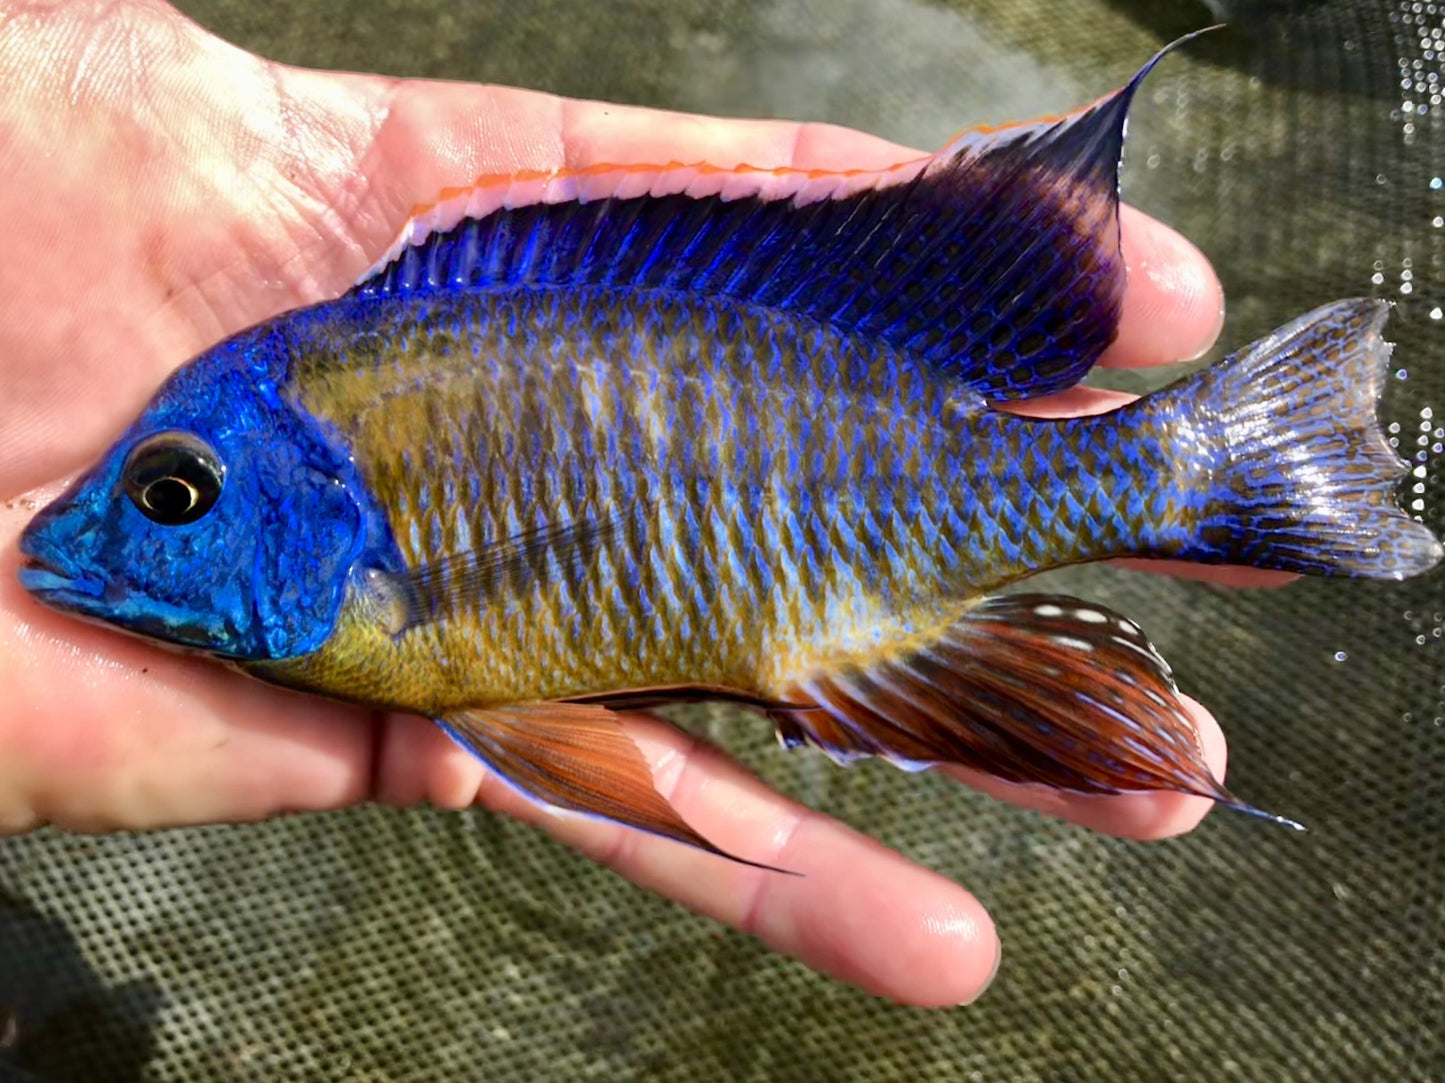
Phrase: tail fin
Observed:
(1304, 478)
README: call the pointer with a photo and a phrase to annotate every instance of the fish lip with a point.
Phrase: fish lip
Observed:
(44, 580)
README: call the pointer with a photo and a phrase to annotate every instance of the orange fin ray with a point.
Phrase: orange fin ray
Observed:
(576, 757)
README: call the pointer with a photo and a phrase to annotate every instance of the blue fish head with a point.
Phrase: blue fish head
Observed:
(223, 520)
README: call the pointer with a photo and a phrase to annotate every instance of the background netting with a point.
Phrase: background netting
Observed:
(1303, 150)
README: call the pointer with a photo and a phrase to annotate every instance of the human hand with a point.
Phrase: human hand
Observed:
(164, 190)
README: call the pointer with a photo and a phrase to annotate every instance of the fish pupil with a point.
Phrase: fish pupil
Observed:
(170, 498)
(173, 478)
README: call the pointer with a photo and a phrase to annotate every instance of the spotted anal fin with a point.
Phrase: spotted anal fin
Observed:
(576, 757)
(996, 260)
(1028, 688)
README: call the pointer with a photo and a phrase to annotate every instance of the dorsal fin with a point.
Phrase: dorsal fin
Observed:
(996, 259)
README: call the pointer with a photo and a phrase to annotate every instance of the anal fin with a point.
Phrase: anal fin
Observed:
(577, 757)
(1028, 688)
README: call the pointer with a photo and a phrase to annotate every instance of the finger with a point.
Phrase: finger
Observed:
(1220, 575)
(859, 912)
(1153, 815)
(1173, 302)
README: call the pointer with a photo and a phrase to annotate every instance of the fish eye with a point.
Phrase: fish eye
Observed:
(173, 478)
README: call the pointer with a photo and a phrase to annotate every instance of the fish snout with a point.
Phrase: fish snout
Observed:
(49, 567)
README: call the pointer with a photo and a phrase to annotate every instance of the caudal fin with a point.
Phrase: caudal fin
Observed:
(1303, 476)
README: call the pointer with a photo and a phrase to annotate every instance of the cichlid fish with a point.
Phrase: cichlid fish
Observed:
(596, 440)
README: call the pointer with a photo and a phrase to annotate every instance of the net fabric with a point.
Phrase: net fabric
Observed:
(1302, 150)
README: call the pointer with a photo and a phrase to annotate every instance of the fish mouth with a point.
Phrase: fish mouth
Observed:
(91, 599)
(52, 584)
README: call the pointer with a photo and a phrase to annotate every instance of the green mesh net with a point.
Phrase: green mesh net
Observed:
(1302, 149)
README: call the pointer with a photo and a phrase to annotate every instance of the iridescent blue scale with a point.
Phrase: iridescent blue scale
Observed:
(599, 439)
(852, 496)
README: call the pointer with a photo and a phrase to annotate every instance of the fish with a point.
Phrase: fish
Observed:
(587, 442)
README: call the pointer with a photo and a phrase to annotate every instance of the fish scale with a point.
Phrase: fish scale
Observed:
(594, 440)
(567, 397)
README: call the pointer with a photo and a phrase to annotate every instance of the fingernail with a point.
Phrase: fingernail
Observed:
(997, 961)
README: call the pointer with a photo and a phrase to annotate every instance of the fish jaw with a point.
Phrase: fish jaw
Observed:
(57, 548)
(50, 582)
(58, 570)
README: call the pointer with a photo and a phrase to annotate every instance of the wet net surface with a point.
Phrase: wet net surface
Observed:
(1303, 151)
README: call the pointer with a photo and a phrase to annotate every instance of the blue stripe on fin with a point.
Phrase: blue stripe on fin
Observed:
(996, 259)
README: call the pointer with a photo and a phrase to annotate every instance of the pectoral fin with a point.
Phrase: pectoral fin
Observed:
(433, 592)
(578, 757)
(1027, 688)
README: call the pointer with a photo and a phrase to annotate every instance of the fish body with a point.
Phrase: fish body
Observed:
(844, 497)
(591, 441)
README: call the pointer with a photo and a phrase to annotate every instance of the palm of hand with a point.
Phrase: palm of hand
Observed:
(165, 190)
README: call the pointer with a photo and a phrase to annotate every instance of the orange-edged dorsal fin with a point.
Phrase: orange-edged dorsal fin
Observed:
(996, 260)
(577, 757)
(1028, 688)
